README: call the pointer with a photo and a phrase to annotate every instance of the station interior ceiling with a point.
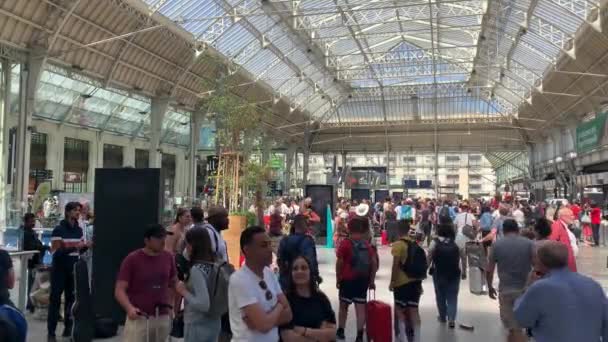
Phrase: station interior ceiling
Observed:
(484, 76)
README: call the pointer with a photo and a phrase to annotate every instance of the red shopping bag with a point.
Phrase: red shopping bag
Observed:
(379, 319)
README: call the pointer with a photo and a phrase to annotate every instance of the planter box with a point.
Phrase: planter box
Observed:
(233, 237)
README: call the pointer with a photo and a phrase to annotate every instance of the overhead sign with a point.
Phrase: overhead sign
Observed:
(592, 134)
(277, 163)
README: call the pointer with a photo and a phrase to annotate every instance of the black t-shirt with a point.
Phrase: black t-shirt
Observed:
(310, 312)
(5, 265)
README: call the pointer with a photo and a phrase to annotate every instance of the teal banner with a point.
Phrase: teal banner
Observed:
(592, 134)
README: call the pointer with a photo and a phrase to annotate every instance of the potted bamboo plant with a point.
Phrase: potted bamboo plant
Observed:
(238, 130)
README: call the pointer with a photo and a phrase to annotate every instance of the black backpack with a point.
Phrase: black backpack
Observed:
(415, 264)
(444, 215)
(361, 261)
(446, 259)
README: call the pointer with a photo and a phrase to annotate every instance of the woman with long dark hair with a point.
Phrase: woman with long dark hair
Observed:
(174, 243)
(315, 319)
(444, 254)
(198, 325)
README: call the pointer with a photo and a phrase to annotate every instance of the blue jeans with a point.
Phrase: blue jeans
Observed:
(446, 294)
(208, 331)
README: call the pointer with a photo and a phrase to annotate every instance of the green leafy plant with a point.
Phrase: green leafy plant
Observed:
(238, 128)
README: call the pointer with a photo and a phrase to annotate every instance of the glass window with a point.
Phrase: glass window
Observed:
(38, 151)
(38, 172)
(168, 171)
(452, 159)
(75, 165)
(112, 156)
(142, 158)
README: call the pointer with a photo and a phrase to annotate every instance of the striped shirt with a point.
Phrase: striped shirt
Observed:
(70, 236)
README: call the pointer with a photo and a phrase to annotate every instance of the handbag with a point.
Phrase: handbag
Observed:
(177, 326)
(468, 230)
(585, 218)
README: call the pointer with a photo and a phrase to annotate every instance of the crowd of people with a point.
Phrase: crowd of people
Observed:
(182, 277)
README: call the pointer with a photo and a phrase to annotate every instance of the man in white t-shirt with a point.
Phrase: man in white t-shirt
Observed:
(257, 305)
(519, 217)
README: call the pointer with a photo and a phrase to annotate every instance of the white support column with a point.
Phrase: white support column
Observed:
(289, 161)
(196, 119)
(158, 109)
(55, 156)
(128, 159)
(30, 77)
(181, 173)
(306, 154)
(388, 169)
(4, 114)
(344, 173)
(95, 159)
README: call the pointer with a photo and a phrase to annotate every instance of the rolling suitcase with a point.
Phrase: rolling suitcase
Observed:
(379, 318)
(476, 280)
(158, 307)
(384, 238)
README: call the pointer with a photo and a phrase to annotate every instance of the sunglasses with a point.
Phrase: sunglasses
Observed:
(264, 287)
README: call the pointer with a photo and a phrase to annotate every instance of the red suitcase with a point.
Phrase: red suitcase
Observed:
(384, 238)
(379, 319)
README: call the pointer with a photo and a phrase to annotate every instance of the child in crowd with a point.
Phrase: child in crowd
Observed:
(406, 291)
(356, 268)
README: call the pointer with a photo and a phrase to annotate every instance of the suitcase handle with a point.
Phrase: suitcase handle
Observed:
(371, 294)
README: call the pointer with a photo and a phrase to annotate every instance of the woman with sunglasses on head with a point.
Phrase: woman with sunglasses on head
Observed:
(199, 325)
(175, 242)
(313, 319)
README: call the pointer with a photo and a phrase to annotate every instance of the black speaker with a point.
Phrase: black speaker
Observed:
(381, 195)
(126, 200)
(321, 196)
(359, 194)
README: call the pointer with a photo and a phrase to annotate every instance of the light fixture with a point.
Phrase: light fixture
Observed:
(265, 42)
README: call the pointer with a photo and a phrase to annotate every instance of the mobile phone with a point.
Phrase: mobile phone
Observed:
(466, 326)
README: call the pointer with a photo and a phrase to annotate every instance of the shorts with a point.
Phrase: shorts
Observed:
(408, 295)
(506, 301)
(354, 291)
(484, 233)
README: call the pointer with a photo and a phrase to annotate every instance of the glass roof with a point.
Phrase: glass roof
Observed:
(76, 101)
(355, 55)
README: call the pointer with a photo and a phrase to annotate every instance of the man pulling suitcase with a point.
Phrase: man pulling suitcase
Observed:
(139, 296)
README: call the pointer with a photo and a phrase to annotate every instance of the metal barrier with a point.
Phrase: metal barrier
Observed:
(23, 257)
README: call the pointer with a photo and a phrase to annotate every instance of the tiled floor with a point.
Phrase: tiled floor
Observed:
(479, 311)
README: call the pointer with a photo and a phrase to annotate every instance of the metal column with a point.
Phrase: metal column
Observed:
(289, 161)
(344, 173)
(195, 133)
(30, 77)
(4, 112)
(306, 154)
(388, 168)
(158, 109)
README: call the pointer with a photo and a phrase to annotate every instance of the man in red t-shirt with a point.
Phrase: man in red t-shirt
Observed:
(146, 282)
(576, 210)
(355, 273)
(596, 220)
